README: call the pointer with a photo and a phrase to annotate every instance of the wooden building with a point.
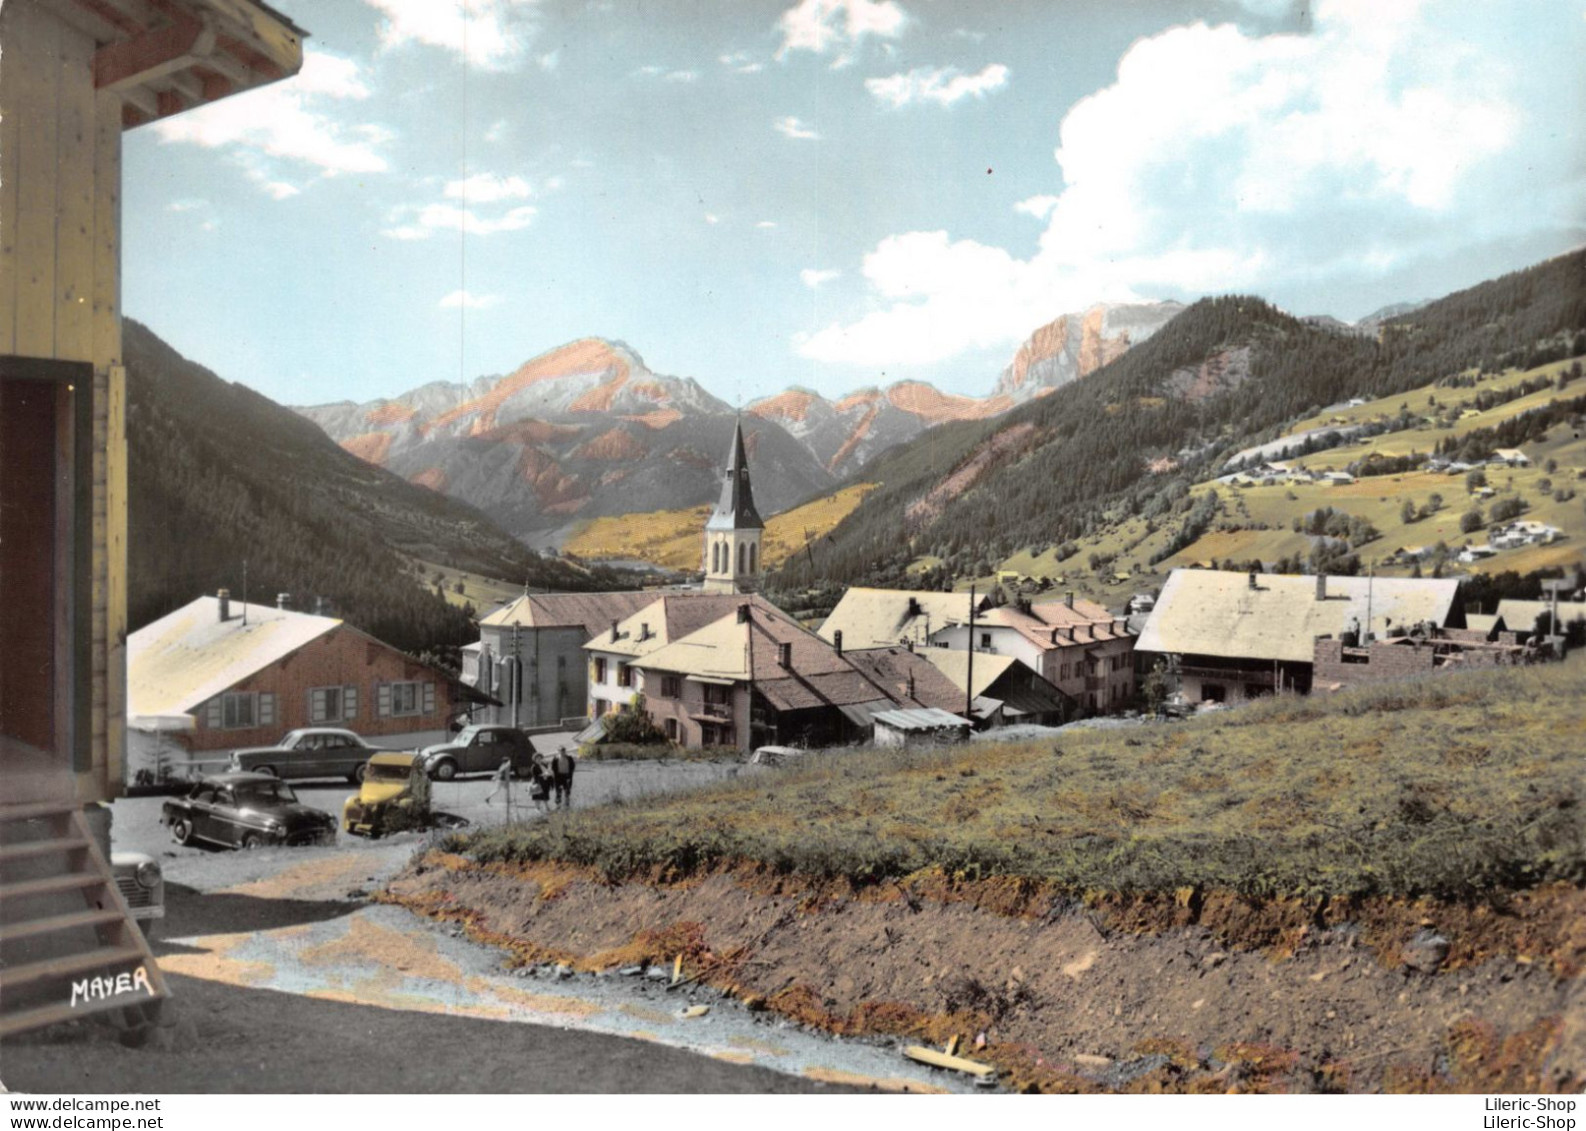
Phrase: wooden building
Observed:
(76, 74)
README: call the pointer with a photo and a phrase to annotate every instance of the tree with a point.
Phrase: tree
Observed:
(633, 724)
(1475, 479)
(1435, 502)
(1471, 521)
(1407, 513)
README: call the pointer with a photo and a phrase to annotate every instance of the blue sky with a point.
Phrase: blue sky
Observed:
(835, 193)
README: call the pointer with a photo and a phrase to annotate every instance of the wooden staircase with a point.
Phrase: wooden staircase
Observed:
(65, 931)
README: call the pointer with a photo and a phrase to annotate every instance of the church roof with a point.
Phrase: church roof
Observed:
(736, 509)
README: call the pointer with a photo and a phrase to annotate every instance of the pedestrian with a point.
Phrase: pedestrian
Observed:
(562, 767)
(540, 783)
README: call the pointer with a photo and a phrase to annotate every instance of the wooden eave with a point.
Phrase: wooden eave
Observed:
(167, 56)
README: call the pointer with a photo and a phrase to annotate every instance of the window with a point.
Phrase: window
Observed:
(624, 675)
(332, 704)
(406, 698)
(598, 709)
(600, 669)
(752, 556)
(239, 710)
(671, 687)
(717, 694)
(741, 549)
(985, 640)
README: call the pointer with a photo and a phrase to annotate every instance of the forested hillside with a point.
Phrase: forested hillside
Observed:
(1131, 438)
(219, 475)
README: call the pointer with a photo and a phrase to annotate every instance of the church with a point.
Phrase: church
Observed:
(732, 561)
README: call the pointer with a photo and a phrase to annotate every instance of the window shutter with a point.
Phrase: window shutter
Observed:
(212, 717)
(429, 699)
(383, 699)
(267, 709)
(349, 701)
(316, 705)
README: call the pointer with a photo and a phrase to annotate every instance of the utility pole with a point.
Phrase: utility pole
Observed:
(969, 678)
(748, 624)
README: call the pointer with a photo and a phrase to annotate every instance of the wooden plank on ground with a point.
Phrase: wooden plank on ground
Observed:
(942, 1060)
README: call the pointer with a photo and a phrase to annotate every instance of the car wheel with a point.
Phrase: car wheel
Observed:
(268, 770)
(253, 840)
(361, 772)
(182, 831)
(445, 770)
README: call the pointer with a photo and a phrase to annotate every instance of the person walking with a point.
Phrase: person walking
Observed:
(540, 783)
(562, 767)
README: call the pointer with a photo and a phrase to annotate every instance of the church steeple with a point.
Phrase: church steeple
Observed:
(732, 534)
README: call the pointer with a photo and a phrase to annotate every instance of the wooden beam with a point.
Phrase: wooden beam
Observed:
(82, 16)
(140, 99)
(228, 67)
(212, 84)
(277, 41)
(121, 66)
(169, 102)
(110, 15)
(186, 84)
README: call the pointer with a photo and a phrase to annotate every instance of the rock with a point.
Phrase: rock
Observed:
(1214, 960)
(631, 971)
(563, 970)
(658, 974)
(1091, 1060)
(1426, 951)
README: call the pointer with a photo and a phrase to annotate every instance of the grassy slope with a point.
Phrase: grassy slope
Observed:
(1377, 499)
(672, 539)
(1450, 786)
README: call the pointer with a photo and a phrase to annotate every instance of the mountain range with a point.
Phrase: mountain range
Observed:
(588, 430)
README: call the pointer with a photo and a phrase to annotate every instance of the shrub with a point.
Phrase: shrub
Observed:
(1471, 521)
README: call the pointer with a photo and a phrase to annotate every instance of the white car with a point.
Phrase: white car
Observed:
(776, 755)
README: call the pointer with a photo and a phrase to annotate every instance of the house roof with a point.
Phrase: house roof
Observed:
(669, 618)
(1217, 613)
(816, 675)
(1038, 623)
(1521, 615)
(191, 655)
(920, 718)
(165, 58)
(953, 663)
(879, 618)
(1009, 680)
(891, 669)
(592, 612)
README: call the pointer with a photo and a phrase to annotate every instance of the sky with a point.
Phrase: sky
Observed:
(837, 193)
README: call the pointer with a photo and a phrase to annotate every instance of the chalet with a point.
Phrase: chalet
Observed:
(1522, 616)
(880, 618)
(1510, 457)
(1074, 644)
(1004, 689)
(246, 674)
(613, 655)
(757, 677)
(76, 75)
(530, 656)
(1424, 650)
(1235, 636)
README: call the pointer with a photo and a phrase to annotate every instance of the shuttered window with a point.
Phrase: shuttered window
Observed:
(349, 701)
(406, 698)
(329, 704)
(241, 710)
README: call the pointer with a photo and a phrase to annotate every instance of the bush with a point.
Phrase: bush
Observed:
(1505, 509)
(1471, 521)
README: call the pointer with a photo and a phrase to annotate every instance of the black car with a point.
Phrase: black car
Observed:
(242, 810)
(479, 749)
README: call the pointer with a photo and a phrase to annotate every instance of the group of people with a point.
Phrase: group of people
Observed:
(548, 775)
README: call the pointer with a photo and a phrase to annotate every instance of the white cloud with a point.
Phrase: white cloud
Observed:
(1038, 206)
(550, 60)
(766, 224)
(792, 127)
(410, 223)
(813, 278)
(941, 85)
(655, 72)
(487, 188)
(187, 204)
(301, 121)
(712, 218)
(1221, 159)
(493, 35)
(280, 190)
(821, 26)
(741, 63)
(499, 130)
(468, 301)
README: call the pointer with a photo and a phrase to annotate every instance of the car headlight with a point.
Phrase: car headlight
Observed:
(147, 874)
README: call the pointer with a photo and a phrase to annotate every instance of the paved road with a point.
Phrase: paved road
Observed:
(287, 978)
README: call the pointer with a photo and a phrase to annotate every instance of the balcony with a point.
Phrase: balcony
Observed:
(718, 713)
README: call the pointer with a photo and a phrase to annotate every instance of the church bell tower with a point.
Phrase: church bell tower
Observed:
(732, 536)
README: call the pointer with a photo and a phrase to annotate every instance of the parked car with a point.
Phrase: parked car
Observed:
(309, 752)
(142, 884)
(394, 794)
(776, 755)
(241, 810)
(479, 749)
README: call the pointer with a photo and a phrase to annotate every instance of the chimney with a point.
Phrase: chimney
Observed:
(837, 641)
(784, 654)
(911, 685)
(644, 631)
(1073, 635)
(613, 632)
(1092, 628)
(321, 607)
(1321, 587)
(282, 600)
(1054, 636)
(743, 614)
(914, 606)
(1068, 599)
(224, 597)
(909, 644)
(1252, 579)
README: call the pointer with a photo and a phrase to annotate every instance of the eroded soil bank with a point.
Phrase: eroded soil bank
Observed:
(1187, 992)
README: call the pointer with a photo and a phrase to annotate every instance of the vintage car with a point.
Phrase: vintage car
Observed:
(776, 755)
(309, 752)
(142, 884)
(479, 749)
(394, 795)
(240, 810)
